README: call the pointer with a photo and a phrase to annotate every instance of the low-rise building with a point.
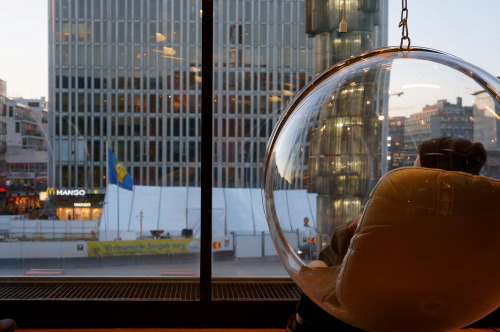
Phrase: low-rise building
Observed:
(26, 155)
(441, 119)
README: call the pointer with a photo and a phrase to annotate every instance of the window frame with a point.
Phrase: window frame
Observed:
(108, 313)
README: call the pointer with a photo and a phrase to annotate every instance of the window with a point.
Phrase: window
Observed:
(128, 76)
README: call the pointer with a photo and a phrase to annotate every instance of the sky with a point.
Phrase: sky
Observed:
(469, 30)
(24, 47)
(466, 29)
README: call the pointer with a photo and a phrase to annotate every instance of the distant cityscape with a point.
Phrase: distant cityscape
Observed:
(128, 77)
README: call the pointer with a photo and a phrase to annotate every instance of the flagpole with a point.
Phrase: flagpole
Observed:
(118, 208)
(118, 175)
(106, 196)
(117, 197)
(106, 205)
(159, 209)
(130, 214)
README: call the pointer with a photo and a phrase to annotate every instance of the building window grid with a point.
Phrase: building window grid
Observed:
(265, 108)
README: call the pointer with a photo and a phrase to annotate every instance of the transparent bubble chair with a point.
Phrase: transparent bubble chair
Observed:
(423, 254)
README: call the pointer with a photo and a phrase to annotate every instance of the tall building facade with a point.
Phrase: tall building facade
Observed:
(342, 28)
(3, 127)
(487, 130)
(23, 152)
(26, 156)
(486, 121)
(3, 144)
(395, 142)
(441, 119)
(126, 75)
(346, 137)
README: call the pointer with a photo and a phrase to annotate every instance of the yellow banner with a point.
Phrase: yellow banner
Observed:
(142, 247)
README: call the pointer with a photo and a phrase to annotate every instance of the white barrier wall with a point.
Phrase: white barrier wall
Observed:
(245, 246)
(53, 229)
(248, 246)
(172, 209)
(261, 245)
(237, 213)
(45, 249)
(269, 248)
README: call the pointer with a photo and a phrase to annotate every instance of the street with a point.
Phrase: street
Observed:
(142, 266)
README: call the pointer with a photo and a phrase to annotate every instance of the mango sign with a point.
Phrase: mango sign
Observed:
(142, 247)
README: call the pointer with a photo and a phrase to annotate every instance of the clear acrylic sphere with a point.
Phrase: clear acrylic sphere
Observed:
(354, 123)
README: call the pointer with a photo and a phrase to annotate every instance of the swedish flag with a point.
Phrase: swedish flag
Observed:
(117, 174)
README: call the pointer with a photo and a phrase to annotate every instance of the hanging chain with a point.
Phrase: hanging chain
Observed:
(404, 24)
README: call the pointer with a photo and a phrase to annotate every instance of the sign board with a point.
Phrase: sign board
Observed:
(143, 247)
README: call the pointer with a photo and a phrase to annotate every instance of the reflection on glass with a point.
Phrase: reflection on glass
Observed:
(126, 75)
(357, 122)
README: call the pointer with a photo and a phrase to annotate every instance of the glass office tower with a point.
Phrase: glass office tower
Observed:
(3, 128)
(349, 127)
(126, 74)
(365, 23)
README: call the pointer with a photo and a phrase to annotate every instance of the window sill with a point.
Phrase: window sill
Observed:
(54, 302)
